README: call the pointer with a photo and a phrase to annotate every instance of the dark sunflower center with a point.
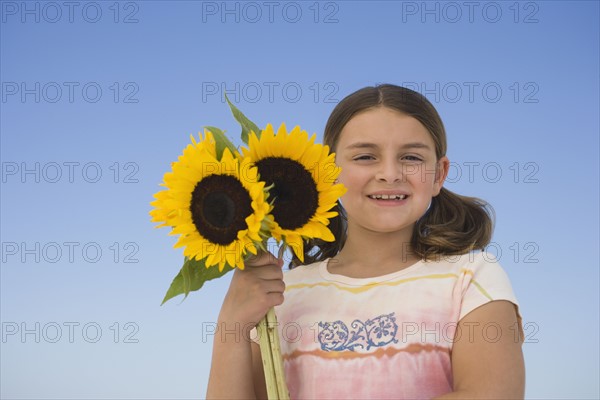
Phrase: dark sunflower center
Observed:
(295, 191)
(220, 205)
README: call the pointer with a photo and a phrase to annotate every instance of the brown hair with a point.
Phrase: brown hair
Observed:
(452, 225)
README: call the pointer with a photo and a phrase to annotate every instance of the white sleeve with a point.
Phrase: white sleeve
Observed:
(488, 282)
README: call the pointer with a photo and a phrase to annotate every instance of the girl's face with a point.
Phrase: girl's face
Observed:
(390, 169)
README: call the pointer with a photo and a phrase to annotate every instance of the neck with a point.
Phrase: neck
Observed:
(369, 254)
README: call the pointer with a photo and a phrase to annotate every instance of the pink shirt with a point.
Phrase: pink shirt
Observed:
(388, 337)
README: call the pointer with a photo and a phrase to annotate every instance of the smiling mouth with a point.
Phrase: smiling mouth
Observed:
(387, 197)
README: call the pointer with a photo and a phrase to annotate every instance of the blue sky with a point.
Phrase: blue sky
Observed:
(99, 97)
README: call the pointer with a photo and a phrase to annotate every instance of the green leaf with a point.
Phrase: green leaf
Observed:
(186, 275)
(222, 142)
(192, 277)
(245, 123)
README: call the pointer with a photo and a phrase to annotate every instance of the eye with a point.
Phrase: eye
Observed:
(412, 158)
(363, 157)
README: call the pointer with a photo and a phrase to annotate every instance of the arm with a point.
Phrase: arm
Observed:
(231, 368)
(236, 364)
(487, 363)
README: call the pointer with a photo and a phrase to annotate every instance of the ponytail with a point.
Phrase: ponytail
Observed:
(453, 225)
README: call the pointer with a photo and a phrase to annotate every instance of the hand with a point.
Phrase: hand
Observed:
(254, 290)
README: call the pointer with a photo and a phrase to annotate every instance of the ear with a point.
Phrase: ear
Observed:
(441, 172)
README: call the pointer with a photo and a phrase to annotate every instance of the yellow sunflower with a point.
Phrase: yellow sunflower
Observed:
(164, 210)
(303, 176)
(218, 207)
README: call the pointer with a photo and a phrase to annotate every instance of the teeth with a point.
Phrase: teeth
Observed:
(388, 197)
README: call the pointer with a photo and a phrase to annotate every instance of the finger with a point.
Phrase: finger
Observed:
(275, 299)
(258, 274)
(261, 259)
(267, 272)
(274, 286)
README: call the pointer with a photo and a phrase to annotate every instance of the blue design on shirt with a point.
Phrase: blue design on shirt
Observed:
(375, 332)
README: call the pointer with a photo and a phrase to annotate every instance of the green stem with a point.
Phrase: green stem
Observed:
(282, 389)
(267, 358)
(270, 351)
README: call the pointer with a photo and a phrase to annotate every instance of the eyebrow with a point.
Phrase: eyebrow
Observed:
(367, 145)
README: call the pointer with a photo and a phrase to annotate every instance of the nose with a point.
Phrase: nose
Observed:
(389, 172)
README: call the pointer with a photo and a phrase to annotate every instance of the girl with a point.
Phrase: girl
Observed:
(400, 306)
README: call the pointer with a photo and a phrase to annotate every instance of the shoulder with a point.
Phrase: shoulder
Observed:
(304, 273)
(480, 266)
(484, 268)
(473, 263)
(481, 279)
